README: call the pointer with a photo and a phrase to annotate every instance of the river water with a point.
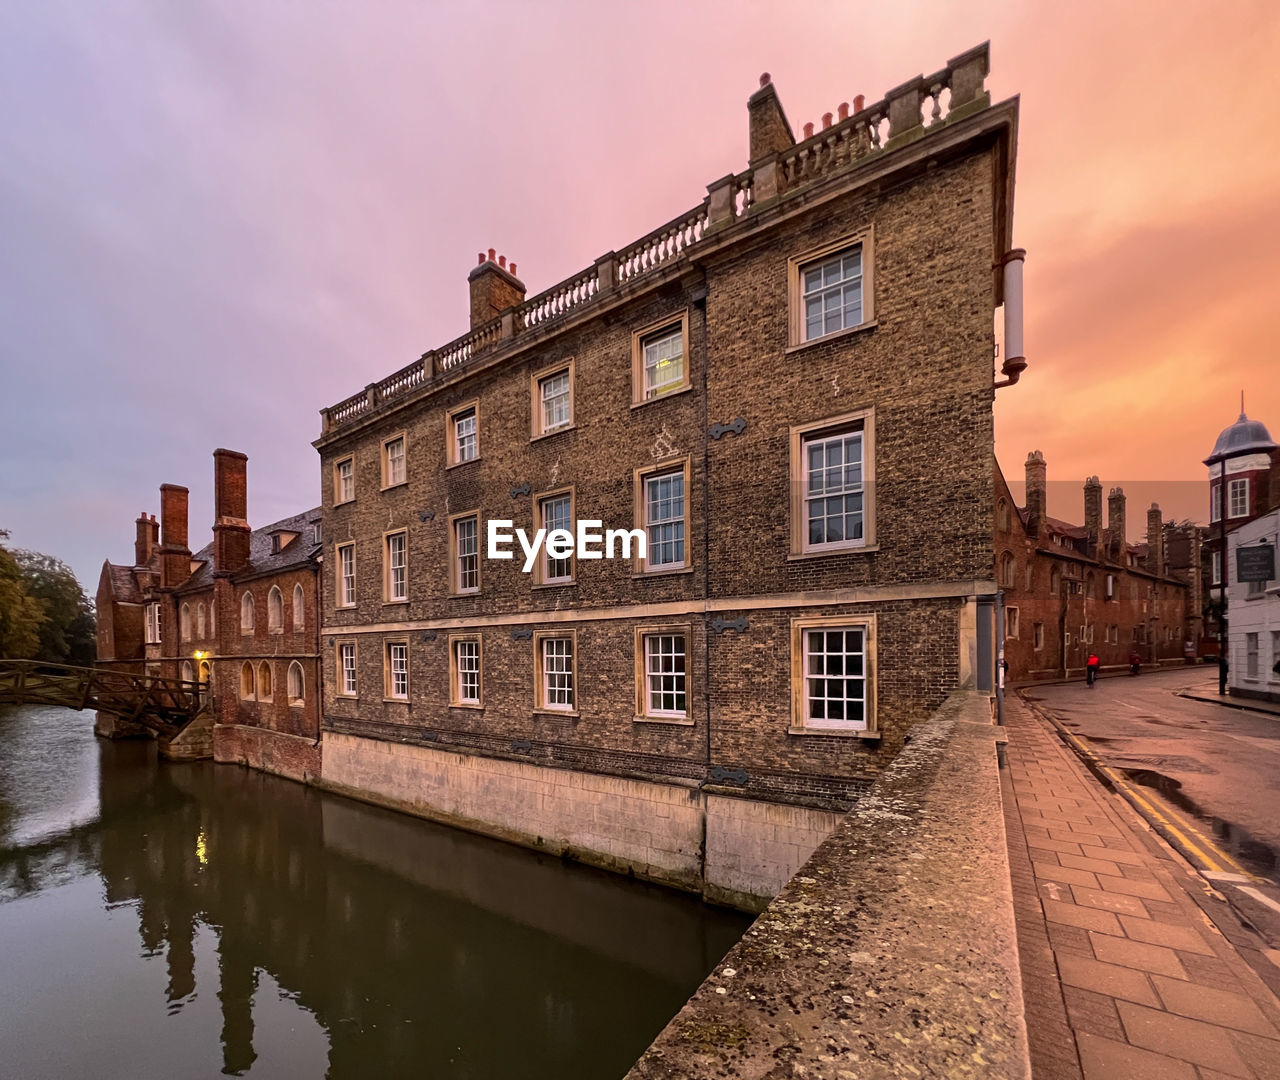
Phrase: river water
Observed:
(162, 920)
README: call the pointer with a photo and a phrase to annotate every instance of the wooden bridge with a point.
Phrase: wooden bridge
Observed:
(164, 706)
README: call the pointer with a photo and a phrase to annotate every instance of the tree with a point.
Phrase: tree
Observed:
(21, 614)
(67, 634)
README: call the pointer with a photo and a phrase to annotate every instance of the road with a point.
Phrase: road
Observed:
(1212, 770)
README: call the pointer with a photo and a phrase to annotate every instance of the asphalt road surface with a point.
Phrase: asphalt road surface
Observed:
(1215, 767)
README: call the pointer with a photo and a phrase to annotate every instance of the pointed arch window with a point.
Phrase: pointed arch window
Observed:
(246, 613)
(200, 619)
(275, 609)
(299, 609)
(265, 690)
(296, 685)
(246, 681)
(184, 621)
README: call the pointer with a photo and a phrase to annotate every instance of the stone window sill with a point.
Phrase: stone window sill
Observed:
(839, 733)
(828, 338)
(671, 721)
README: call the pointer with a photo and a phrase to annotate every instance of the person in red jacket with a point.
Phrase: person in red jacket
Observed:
(1091, 668)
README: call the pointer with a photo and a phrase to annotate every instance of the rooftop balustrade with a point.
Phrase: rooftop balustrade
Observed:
(846, 139)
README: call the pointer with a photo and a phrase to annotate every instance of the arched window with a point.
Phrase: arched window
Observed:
(246, 613)
(1030, 578)
(1055, 580)
(200, 619)
(188, 672)
(1008, 569)
(1002, 515)
(213, 629)
(296, 687)
(264, 681)
(204, 672)
(246, 681)
(275, 609)
(1090, 585)
(184, 622)
(299, 609)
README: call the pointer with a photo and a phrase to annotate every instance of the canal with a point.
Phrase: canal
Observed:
(197, 920)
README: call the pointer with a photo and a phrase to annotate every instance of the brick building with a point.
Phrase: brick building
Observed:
(762, 385)
(1070, 590)
(239, 615)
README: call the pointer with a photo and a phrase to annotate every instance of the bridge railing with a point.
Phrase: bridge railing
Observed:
(172, 703)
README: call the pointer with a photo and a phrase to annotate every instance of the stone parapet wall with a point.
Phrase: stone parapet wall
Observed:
(291, 756)
(892, 952)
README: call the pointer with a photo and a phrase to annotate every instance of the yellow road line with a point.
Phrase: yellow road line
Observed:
(1213, 863)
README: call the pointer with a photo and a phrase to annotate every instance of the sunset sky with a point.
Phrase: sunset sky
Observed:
(218, 217)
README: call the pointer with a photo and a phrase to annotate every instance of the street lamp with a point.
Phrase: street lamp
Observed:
(1241, 439)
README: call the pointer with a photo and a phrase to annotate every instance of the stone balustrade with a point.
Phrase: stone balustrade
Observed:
(905, 114)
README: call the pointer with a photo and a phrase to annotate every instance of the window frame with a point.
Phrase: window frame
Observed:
(387, 537)
(642, 713)
(639, 395)
(829, 428)
(152, 624)
(251, 608)
(1233, 484)
(340, 682)
(252, 688)
(275, 607)
(799, 692)
(865, 237)
(540, 580)
(1012, 623)
(388, 670)
(349, 459)
(452, 417)
(270, 680)
(387, 483)
(536, 378)
(539, 690)
(639, 483)
(339, 590)
(455, 578)
(299, 701)
(298, 614)
(456, 700)
(1037, 637)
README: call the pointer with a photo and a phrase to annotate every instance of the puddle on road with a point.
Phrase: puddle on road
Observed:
(1255, 854)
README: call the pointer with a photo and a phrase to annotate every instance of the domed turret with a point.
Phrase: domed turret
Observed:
(1245, 436)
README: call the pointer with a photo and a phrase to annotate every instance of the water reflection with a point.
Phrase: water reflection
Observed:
(299, 932)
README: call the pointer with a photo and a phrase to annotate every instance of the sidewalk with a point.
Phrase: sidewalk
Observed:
(1124, 977)
(1209, 693)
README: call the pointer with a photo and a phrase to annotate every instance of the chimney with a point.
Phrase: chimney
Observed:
(144, 544)
(494, 288)
(175, 556)
(230, 503)
(1037, 485)
(1093, 512)
(1118, 547)
(1155, 541)
(769, 131)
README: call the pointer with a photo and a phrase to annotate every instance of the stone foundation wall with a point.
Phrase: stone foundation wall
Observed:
(735, 850)
(291, 756)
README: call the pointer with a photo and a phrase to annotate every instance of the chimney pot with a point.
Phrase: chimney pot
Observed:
(512, 268)
(808, 130)
(826, 120)
(480, 258)
(857, 103)
(764, 79)
(502, 261)
(843, 110)
(491, 254)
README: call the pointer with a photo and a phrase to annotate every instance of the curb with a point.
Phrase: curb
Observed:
(1230, 703)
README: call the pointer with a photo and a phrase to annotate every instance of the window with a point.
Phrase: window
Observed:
(1275, 656)
(213, 628)
(184, 622)
(265, 690)
(464, 434)
(1215, 560)
(277, 543)
(346, 575)
(829, 290)
(1008, 570)
(664, 519)
(1011, 622)
(344, 480)
(465, 535)
(1251, 656)
(396, 584)
(464, 676)
(299, 609)
(200, 619)
(317, 533)
(246, 613)
(296, 686)
(659, 363)
(398, 670)
(1256, 588)
(246, 681)
(832, 686)
(663, 664)
(552, 400)
(275, 610)
(1002, 515)
(1238, 497)
(1029, 579)
(347, 669)
(1055, 580)
(393, 463)
(1037, 632)
(1111, 587)
(153, 624)
(205, 669)
(831, 479)
(188, 672)
(554, 677)
(1215, 501)
(555, 512)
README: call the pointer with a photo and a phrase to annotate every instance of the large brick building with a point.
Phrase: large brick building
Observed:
(239, 615)
(1071, 590)
(790, 389)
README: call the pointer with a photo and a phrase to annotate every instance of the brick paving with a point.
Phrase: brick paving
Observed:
(1124, 977)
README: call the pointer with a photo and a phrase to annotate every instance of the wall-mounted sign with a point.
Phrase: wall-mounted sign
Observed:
(1257, 562)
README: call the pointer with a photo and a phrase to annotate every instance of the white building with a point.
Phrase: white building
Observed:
(1253, 616)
